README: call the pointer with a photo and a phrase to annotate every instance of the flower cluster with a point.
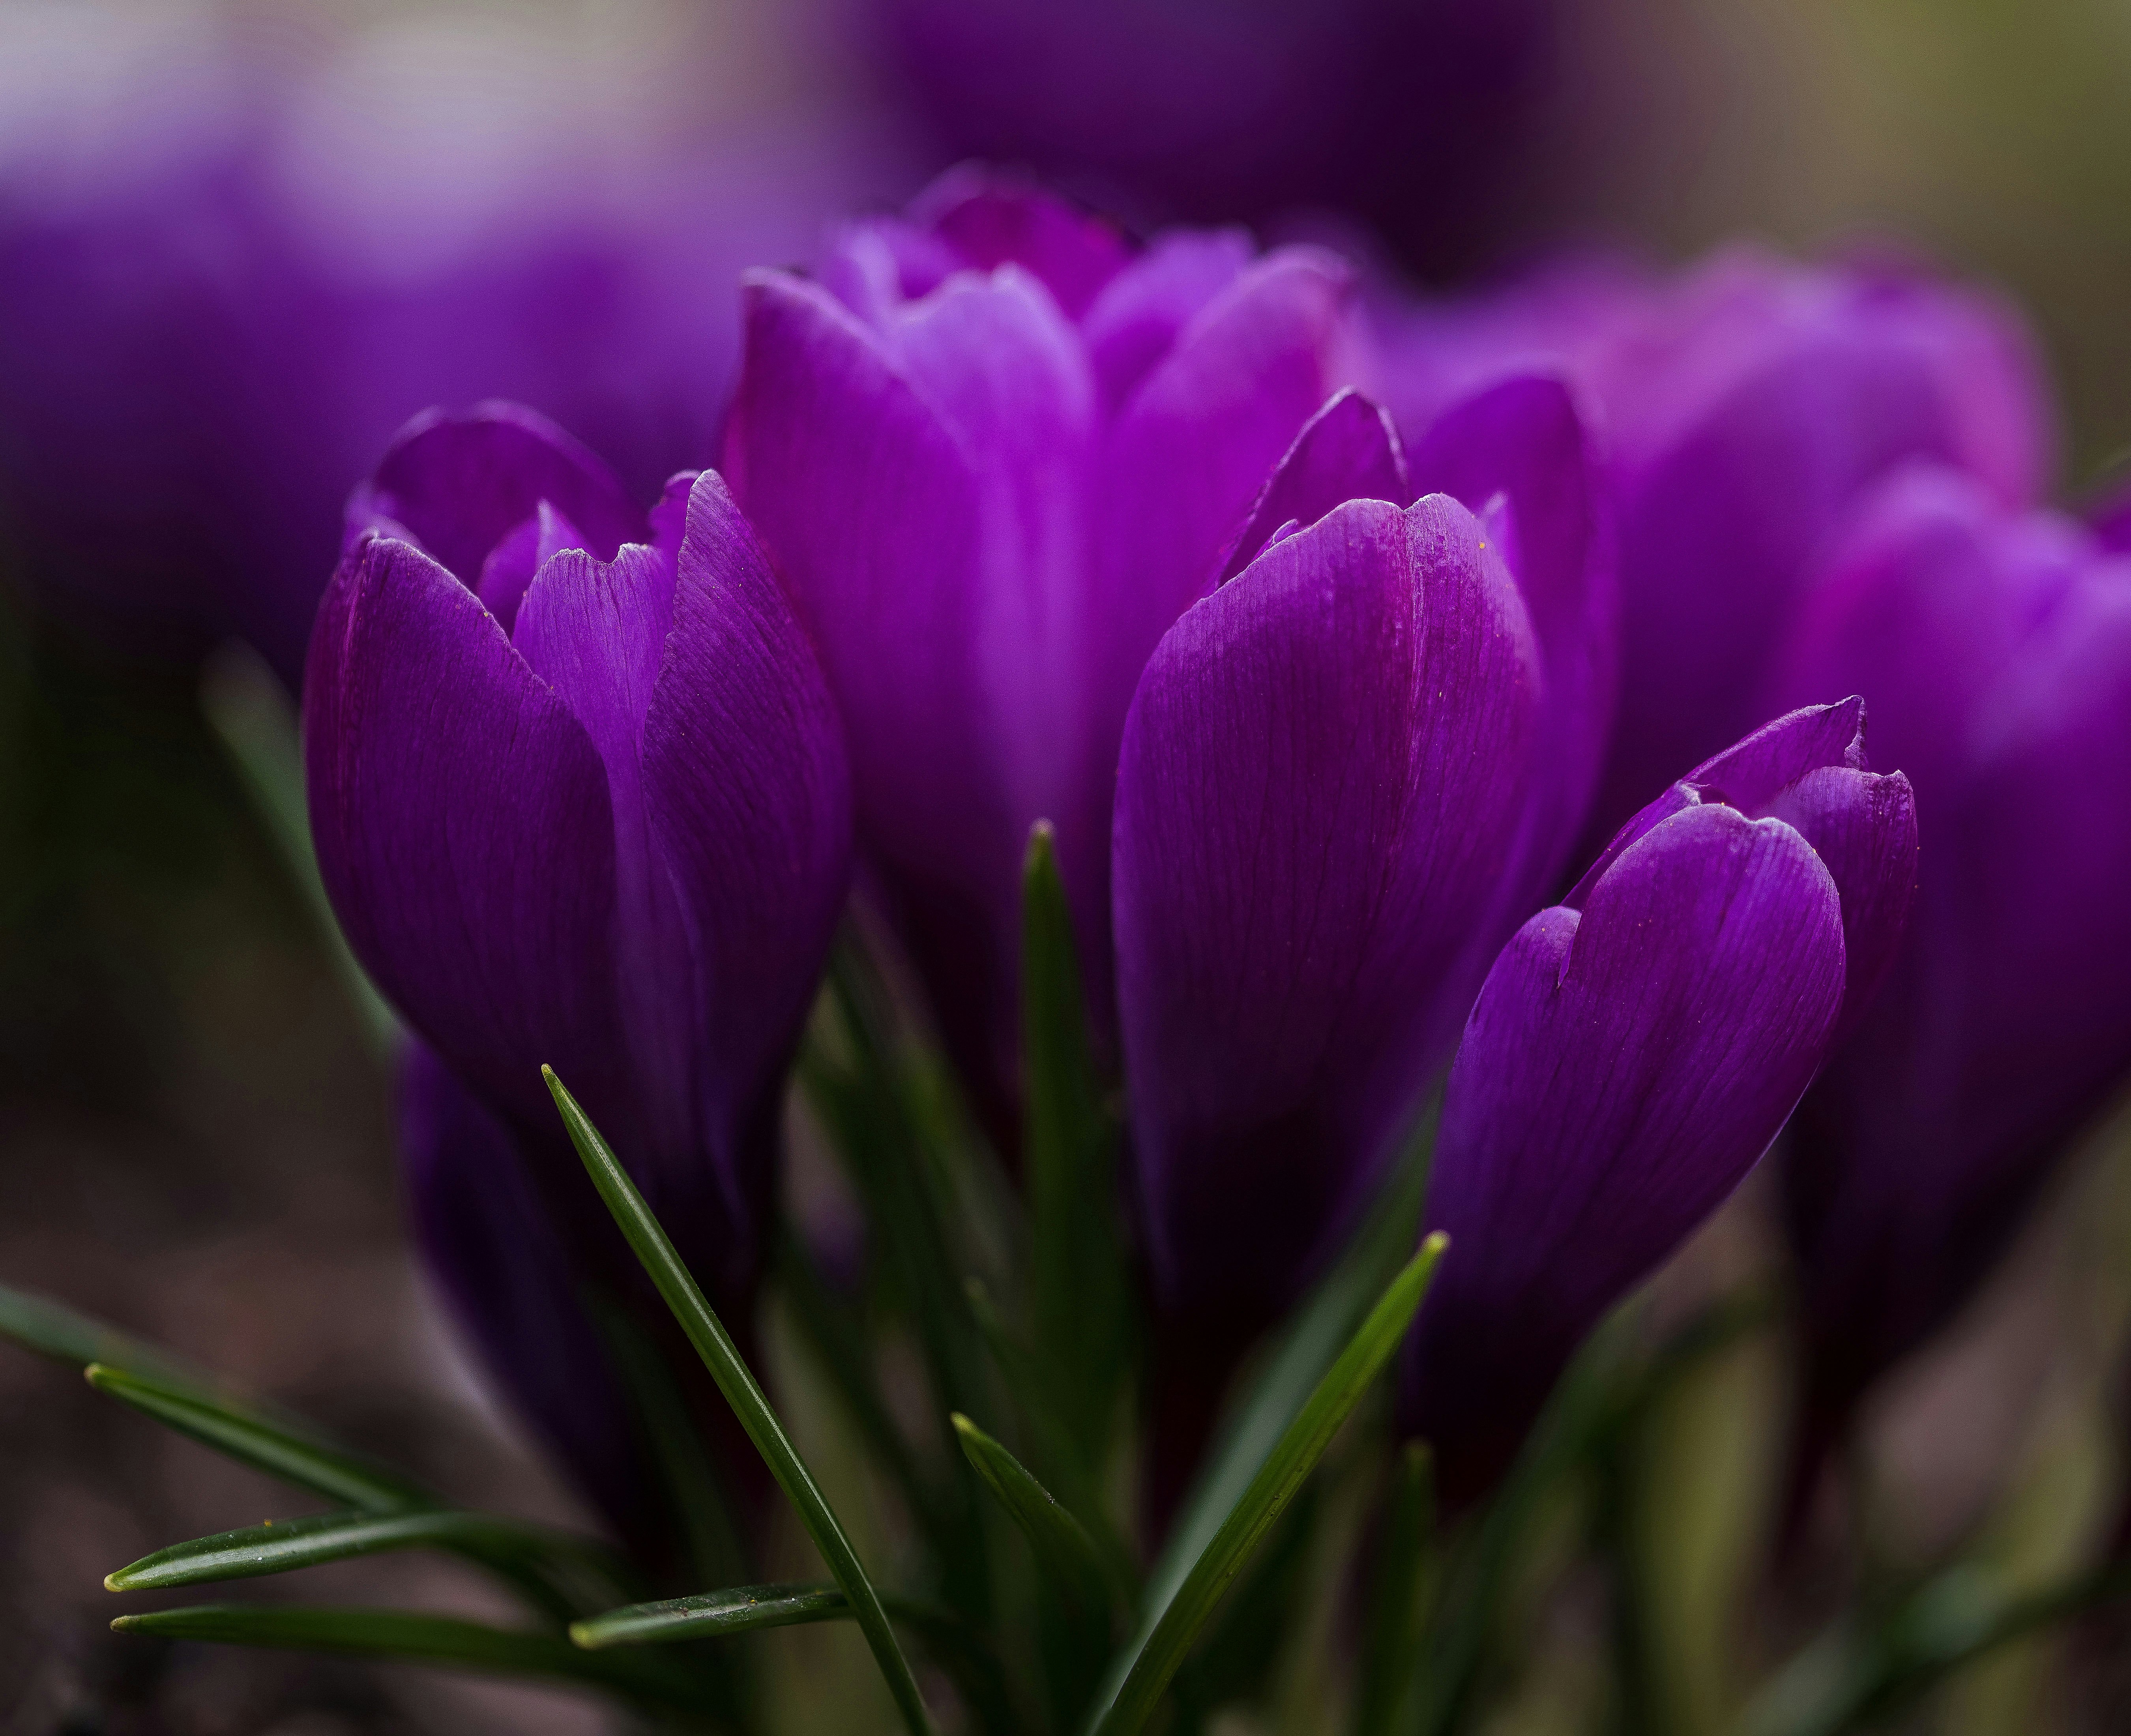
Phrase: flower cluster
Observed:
(1461, 702)
(1054, 527)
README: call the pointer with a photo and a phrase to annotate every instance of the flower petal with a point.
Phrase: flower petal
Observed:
(1321, 775)
(749, 802)
(991, 219)
(459, 485)
(463, 830)
(1348, 452)
(1621, 1073)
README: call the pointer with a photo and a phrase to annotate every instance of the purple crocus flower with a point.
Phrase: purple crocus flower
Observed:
(1348, 773)
(582, 799)
(1995, 648)
(1634, 1050)
(993, 451)
(1746, 406)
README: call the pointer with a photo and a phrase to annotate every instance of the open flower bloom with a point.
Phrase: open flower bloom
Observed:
(1746, 406)
(1995, 649)
(583, 801)
(994, 452)
(1348, 772)
(1633, 1051)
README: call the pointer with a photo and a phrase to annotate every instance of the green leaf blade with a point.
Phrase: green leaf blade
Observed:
(738, 1609)
(708, 1333)
(265, 1443)
(1143, 1670)
(284, 1546)
(1080, 1297)
(1063, 1547)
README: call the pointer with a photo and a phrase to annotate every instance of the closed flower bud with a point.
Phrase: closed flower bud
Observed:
(1633, 1051)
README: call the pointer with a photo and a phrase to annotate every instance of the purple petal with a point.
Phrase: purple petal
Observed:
(2007, 1019)
(876, 518)
(463, 830)
(992, 220)
(510, 564)
(2112, 522)
(1621, 1073)
(1142, 311)
(1187, 458)
(749, 803)
(459, 485)
(1321, 775)
(1929, 599)
(1348, 452)
(1522, 442)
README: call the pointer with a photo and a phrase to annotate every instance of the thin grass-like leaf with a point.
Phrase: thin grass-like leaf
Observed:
(1079, 1298)
(956, 1648)
(50, 1328)
(1064, 1550)
(709, 1615)
(1035, 1394)
(1324, 1323)
(1391, 1641)
(734, 1380)
(1857, 1679)
(409, 1636)
(265, 1444)
(282, 1545)
(1142, 1670)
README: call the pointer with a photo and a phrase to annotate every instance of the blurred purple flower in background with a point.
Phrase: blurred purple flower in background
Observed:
(235, 254)
(1408, 114)
(1634, 1050)
(993, 451)
(1994, 647)
(1745, 405)
(582, 801)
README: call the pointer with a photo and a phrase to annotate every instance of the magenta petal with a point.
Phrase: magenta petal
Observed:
(459, 485)
(1321, 777)
(463, 828)
(875, 517)
(1348, 452)
(991, 220)
(1142, 311)
(749, 799)
(508, 570)
(1621, 1073)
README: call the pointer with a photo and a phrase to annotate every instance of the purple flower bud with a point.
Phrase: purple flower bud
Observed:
(1633, 1051)
(994, 452)
(1347, 775)
(1746, 406)
(1995, 648)
(604, 827)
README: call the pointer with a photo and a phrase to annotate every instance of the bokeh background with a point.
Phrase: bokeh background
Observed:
(238, 245)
